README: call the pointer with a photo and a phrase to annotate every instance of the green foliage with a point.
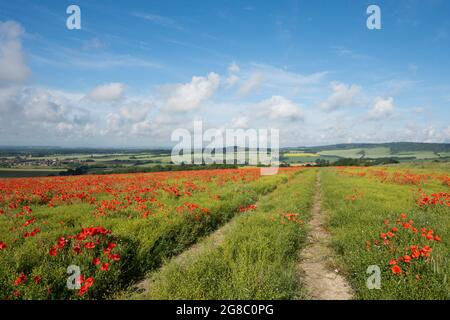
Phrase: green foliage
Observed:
(257, 257)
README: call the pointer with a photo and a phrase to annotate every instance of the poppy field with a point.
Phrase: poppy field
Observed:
(115, 228)
(224, 234)
(397, 219)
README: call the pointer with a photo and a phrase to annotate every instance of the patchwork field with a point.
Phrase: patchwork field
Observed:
(229, 234)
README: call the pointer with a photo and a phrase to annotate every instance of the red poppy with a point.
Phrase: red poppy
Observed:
(392, 262)
(37, 279)
(53, 251)
(96, 261)
(105, 266)
(21, 279)
(83, 290)
(396, 270)
(114, 257)
(89, 282)
(89, 245)
(77, 249)
(3, 245)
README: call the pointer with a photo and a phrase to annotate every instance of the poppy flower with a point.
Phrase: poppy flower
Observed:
(396, 270)
(89, 282)
(53, 251)
(3, 245)
(21, 279)
(114, 257)
(105, 266)
(392, 262)
(83, 290)
(406, 259)
(96, 261)
(77, 249)
(437, 238)
(37, 279)
(89, 245)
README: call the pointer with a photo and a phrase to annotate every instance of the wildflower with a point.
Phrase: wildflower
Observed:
(21, 279)
(105, 266)
(89, 245)
(114, 257)
(392, 262)
(396, 270)
(96, 261)
(53, 251)
(37, 279)
(77, 249)
(3, 245)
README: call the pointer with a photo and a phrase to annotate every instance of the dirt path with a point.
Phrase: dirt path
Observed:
(321, 282)
(214, 239)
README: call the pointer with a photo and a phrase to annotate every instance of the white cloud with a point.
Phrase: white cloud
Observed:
(189, 96)
(240, 122)
(343, 96)
(12, 62)
(278, 78)
(107, 92)
(36, 114)
(382, 108)
(251, 84)
(233, 68)
(278, 107)
(232, 78)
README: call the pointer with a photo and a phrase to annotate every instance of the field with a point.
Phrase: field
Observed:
(229, 234)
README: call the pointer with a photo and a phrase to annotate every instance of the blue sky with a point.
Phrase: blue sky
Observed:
(139, 69)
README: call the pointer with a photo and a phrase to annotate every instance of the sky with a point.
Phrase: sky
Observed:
(138, 70)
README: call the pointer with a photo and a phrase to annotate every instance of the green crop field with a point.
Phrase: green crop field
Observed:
(230, 234)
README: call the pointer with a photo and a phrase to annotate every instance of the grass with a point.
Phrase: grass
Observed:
(305, 154)
(378, 152)
(143, 243)
(27, 172)
(358, 207)
(256, 257)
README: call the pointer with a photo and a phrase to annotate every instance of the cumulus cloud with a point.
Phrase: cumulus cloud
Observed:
(36, 113)
(251, 84)
(232, 78)
(107, 92)
(342, 96)
(381, 108)
(189, 96)
(240, 122)
(233, 68)
(129, 118)
(278, 107)
(13, 68)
